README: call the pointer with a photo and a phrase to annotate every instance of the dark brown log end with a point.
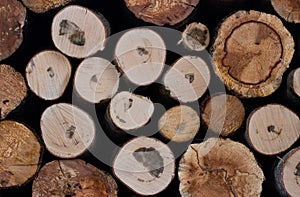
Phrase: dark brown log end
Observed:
(287, 9)
(73, 178)
(251, 53)
(196, 36)
(42, 6)
(219, 167)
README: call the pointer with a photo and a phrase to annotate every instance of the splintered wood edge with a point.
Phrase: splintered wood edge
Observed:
(295, 83)
(18, 141)
(96, 79)
(287, 9)
(80, 178)
(203, 163)
(140, 54)
(196, 36)
(272, 129)
(179, 124)
(42, 6)
(129, 111)
(272, 83)
(67, 130)
(48, 74)
(131, 168)
(13, 89)
(287, 174)
(223, 114)
(79, 32)
(187, 79)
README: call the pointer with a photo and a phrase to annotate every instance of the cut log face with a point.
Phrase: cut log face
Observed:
(161, 12)
(219, 167)
(41, 6)
(196, 36)
(96, 79)
(287, 174)
(145, 165)
(223, 114)
(179, 124)
(13, 15)
(20, 154)
(48, 74)
(140, 54)
(67, 130)
(73, 178)
(288, 9)
(296, 82)
(272, 129)
(187, 79)
(78, 32)
(251, 53)
(130, 111)
(12, 90)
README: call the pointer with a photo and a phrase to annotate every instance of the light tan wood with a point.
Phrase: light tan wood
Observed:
(179, 124)
(187, 79)
(145, 165)
(296, 82)
(78, 32)
(219, 167)
(13, 89)
(223, 114)
(48, 74)
(251, 52)
(288, 9)
(20, 154)
(130, 111)
(272, 129)
(96, 79)
(67, 130)
(73, 178)
(196, 36)
(287, 174)
(13, 16)
(140, 54)
(42, 6)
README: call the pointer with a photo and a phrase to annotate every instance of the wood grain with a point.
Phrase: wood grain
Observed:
(196, 36)
(42, 6)
(288, 9)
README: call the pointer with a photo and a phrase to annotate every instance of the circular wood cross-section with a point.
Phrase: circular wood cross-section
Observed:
(219, 167)
(48, 74)
(287, 174)
(78, 32)
(187, 79)
(67, 130)
(130, 111)
(96, 79)
(295, 82)
(13, 15)
(161, 12)
(12, 89)
(196, 36)
(145, 165)
(73, 178)
(223, 114)
(251, 53)
(140, 54)
(272, 129)
(288, 9)
(41, 6)
(179, 124)
(20, 154)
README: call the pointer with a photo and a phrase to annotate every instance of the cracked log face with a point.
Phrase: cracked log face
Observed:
(13, 15)
(145, 165)
(288, 9)
(287, 174)
(251, 53)
(219, 167)
(73, 178)
(20, 154)
(272, 129)
(67, 130)
(162, 12)
(12, 90)
(41, 6)
(48, 74)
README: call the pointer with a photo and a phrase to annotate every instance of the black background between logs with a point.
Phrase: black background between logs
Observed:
(37, 37)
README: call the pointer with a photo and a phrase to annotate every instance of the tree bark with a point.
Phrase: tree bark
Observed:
(196, 36)
(287, 9)
(42, 6)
